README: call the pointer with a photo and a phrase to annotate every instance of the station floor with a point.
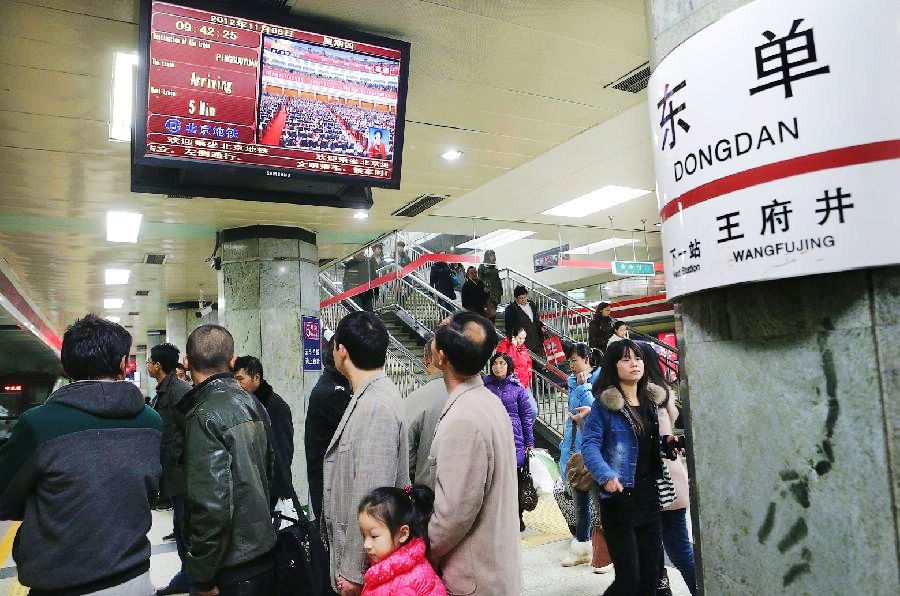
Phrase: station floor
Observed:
(544, 544)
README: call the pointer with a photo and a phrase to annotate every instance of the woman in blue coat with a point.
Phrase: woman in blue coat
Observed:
(622, 449)
(580, 383)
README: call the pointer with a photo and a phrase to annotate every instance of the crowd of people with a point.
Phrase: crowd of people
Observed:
(323, 70)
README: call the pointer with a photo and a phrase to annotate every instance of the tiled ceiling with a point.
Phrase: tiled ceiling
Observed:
(502, 80)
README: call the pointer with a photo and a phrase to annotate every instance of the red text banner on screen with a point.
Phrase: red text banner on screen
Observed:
(205, 99)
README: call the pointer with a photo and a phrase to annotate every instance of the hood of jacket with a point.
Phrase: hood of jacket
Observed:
(398, 563)
(613, 399)
(106, 399)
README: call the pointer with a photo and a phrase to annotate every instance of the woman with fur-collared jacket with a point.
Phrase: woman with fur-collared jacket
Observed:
(622, 449)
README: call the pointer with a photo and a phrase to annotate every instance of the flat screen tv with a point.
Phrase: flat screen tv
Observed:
(265, 107)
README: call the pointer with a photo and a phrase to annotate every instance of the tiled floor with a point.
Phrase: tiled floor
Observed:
(544, 545)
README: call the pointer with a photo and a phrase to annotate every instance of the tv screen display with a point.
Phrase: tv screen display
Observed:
(279, 96)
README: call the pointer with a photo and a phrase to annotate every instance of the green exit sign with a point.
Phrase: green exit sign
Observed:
(625, 268)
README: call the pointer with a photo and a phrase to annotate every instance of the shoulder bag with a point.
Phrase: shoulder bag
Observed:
(577, 474)
(528, 497)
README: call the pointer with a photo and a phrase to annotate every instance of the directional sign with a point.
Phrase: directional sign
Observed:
(633, 268)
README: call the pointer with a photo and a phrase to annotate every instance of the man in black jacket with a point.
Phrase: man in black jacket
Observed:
(524, 314)
(229, 467)
(161, 365)
(80, 472)
(248, 371)
(327, 402)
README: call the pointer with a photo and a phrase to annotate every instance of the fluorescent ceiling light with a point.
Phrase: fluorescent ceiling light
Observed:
(495, 239)
(596, 200)
(595, 247)
(122, 89)
(110, 303)
(122, 226)
(117, 277)
(113, 319)
(452, 154)
(360, 215)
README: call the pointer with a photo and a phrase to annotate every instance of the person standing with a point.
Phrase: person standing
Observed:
(401, 256)
(518, 351)
(620, 332)
(423, 410)
(248, 372)
(81, 471)
(600, 328)
(229, 468)
(369, 448)
(621, 450)
(441, 279)
(473, 293)
(162, 366)
(488, 273)
(580, 383)
(524, 314)
(327, 402)
(473, 530)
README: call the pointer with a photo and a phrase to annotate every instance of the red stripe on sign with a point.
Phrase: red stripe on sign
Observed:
(814, 162)
(638, 301)
(644, 310)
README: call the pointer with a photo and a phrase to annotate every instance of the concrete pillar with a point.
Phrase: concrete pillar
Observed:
(140, 358)
(793, 414)
(184, 317)
(269, 279)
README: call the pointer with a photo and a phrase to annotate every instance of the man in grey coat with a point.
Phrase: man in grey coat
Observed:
(423, 410)
(474, 530)
(369, 448)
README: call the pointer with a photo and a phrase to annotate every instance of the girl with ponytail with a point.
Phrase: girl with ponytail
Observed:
(394, 525)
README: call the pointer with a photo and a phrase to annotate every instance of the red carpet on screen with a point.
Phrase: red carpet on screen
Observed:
(272, 135)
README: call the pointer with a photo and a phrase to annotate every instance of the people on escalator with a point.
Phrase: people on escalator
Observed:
(441, 279)
(356, 273)
(490, 276)
(620, 332)
(580, 383)
(503, 383)
(473, 293)
(676, 539)
(459, 275)
(162, 366)
(600, 330)
(401, 257)
(523, 314)
(327, 402)
(514, 345)
(81, 472)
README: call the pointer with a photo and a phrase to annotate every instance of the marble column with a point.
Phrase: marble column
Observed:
(793, 416)
(269, 279)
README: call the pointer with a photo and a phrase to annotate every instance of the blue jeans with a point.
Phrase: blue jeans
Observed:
(180, 580)
(582, 514)
(678, 545)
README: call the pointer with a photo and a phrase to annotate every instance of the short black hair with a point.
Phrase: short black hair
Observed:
(210, 349)
(165, 355)
(467, 348)
(92, 348)
(181, 366)
(328, 352)
(251, 364)
(618, 324)
(520, 290)
(365, 338)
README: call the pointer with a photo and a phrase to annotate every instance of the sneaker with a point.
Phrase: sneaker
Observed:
(169, 538)
(579, 554)
(605, 569)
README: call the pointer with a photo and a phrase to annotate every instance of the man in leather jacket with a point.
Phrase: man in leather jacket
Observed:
(229, 467)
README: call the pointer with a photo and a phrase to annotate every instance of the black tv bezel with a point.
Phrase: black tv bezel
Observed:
(139, 110)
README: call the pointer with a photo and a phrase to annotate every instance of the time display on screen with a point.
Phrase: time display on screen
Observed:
(240, 92)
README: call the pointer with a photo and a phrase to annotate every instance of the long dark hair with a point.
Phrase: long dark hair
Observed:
(609, 377)
(653, 369)
(397, 508)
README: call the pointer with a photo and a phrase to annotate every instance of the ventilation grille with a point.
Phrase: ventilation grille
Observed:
(133, 313)
(154, 259)
(634, 81)
(418, 205)
(179, 197)
(142, 293)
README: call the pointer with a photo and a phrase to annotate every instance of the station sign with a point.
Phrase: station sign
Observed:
(633, 268)
(776, 141)
(548, 259)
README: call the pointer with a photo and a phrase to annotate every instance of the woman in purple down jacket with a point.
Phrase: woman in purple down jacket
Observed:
(504, 384)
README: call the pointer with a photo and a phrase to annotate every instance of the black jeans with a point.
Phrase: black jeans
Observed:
(635, 549)
(261, 585)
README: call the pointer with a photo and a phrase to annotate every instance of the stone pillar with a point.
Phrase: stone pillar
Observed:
(182, 318)
(269, 278)
(793, 416)
(140, 359)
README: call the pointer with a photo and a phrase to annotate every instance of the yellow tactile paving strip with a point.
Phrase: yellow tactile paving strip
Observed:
(548, 520)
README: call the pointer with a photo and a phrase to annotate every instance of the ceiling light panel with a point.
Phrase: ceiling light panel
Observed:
(111, 303)
(608, 244)
(452, 154)
(122, 226)
(112, 318)
(123, 84)
(117, 277)
(496, 239)
(598, 200)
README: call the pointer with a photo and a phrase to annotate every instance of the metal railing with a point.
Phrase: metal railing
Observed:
(405, 370)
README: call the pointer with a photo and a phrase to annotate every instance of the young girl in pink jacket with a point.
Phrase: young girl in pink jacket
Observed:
(394, 526)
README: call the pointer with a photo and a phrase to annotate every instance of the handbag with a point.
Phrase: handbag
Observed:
(565, 501)
(577, 474)
(528, 497)
(301, 559)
